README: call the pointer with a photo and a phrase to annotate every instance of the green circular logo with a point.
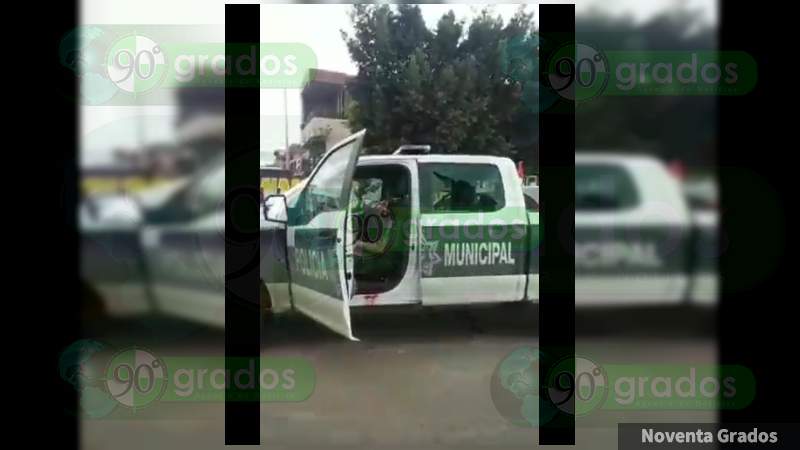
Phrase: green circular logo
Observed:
(580, 77)
(136, 378)
(582, 392)
(83, 51)
(79, 365)
(515, 388)
(136, 64)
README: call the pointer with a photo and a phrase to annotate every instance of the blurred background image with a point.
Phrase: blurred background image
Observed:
(152, 213)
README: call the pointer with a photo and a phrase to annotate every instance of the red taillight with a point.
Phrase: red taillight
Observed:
(677, 169)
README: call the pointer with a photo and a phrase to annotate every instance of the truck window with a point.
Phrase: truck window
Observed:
(452, 187)
(367, 189)
(209, 193)
(205, 194)
(324, 192)
(531, 205)
(380, 207)
(531, 196)
(604, 187)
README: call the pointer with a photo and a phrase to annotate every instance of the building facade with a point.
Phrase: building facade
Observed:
(324, 102)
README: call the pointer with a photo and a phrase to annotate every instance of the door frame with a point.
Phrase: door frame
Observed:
(331, 309)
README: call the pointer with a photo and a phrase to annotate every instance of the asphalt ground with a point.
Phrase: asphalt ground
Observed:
(419, 377)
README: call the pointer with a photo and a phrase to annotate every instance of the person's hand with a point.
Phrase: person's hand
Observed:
(382, 207)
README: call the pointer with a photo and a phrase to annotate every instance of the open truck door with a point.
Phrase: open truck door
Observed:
(319, 241)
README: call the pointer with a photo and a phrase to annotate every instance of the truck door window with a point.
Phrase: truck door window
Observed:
(208, 194)
(380, 207)
(531, 204)
(604, 187)
(324, 191)
(203, 195)
(448, 187)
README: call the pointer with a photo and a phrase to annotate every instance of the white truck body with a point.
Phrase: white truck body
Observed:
(637, 242)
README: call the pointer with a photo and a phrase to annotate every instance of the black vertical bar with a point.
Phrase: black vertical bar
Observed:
(242, 310)
(557, 168)
(758, 244)
(65, 313)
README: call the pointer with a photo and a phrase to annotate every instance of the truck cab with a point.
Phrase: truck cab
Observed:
(637, 241)
(420, 228)
(408, 228)
(412, 228)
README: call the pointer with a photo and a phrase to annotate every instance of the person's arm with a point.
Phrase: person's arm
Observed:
(379, 246)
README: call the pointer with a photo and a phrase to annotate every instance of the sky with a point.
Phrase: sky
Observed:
(104, 128)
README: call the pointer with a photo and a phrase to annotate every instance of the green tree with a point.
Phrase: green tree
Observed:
(461, 89)
(672, 127)
(474, 89)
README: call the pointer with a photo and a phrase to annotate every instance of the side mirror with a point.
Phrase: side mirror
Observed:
(274, 208)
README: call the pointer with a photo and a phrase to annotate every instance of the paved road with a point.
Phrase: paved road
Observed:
(418, 378)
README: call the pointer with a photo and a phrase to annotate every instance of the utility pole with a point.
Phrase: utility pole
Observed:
(285, 121)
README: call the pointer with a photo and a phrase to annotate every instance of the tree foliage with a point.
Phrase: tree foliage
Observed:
(474, 89)
(672, 127)
(462, 89)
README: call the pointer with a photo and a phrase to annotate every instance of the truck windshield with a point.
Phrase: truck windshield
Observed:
(603, 187)
(448, 187)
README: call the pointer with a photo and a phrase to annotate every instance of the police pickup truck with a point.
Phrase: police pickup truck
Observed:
(408, 228)
(420, 228)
